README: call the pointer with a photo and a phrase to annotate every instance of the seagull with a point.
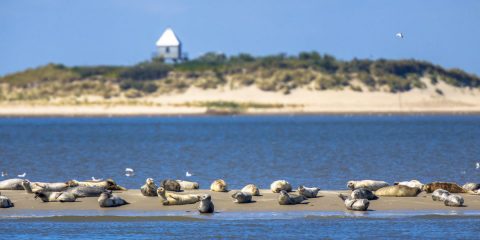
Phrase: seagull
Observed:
(22, 175)
(97, 179)
(399, 35)
(477, 166)
(4, 174)
(188, 174)
(129, 172)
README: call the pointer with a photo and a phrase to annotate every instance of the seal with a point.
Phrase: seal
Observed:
(290, 199)
(107, 199)
(440, 195)
(279, 185)
(471, 186)
(448, 186)
(149, 189)
(12, 184)
(26, 185)
(108, 184)
(371, 185)
(219, 185)
(251, 189)
(206, 204)
(169, 198)
(86, 191)
(242, 197)
(411, 183)
(454, 200)
(5, 202)
(186, 185)
(354, 204)
(55, 196)
(49, 187)
(308, 192)
(363, 193)
(397, 191)
(170, 185)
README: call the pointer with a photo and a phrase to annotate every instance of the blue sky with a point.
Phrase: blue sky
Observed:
(120, 32)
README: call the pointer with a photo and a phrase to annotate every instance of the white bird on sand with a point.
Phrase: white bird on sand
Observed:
(188, 174)
(399, 35)
(477, 166)
(129, 172)
(97, 179)
(22, 175)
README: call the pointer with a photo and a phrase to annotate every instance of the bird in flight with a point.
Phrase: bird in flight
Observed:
(129, 172)
(399, 35)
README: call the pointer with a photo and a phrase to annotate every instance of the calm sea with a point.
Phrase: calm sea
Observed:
(324, 151)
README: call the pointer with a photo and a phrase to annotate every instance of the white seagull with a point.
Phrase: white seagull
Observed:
(97, 179)
(4, 174)
(188, 174)
(399, 35)
(22, 175)
(477, 166)
(129, 172)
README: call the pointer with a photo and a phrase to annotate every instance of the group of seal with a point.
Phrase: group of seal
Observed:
(67, 191)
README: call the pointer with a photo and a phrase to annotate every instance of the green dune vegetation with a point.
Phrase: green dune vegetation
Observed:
(56, 83)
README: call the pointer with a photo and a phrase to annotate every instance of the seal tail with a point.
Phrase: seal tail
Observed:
(343, 197)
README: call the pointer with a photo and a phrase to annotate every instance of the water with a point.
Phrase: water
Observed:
(324, 151)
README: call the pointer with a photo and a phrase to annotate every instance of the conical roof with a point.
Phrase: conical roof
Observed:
(168, 38)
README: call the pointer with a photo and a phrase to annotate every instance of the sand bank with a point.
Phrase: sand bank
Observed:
(327, 201)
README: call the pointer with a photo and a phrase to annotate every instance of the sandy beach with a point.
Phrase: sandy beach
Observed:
(326, 201)
(299, 101)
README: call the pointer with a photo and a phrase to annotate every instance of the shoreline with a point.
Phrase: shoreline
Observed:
(327, 201)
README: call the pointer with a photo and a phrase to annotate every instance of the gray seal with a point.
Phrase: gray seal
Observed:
(55, 196)
(308, 192)
(290, 199)
(242, 197)
(170, 185)
(454, 200)
(107, 199)
(471, 186)
(355, 204)
(149, 189)
(363, 193)
(206, 204)
(5, 202)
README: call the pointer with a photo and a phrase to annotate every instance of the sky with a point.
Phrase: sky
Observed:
(121, 32)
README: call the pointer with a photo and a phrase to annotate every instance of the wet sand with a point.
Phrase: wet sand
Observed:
(326, 201)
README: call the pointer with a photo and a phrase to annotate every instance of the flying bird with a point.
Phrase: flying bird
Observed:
(399, 35)
(129, 172)
(188, 174)
(22, 175)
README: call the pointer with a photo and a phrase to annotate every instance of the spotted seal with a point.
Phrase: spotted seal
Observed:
(169, 198)
(371, 185)
(290, 199)
(55, 196)
(411, 183)
(308, 192)
(397, 191)
(251, 189)
(107, 199)
(280, 185)
(242, 197)
(354, 204)
(440, 195)
(206, 204)
(454, 200)
(108, 184)
(219, 185)
(186, 185)
(363, 193)
(86, 191)
(149, 189)
(5, 202)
